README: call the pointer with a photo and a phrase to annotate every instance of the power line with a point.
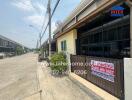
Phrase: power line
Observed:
(28, 5)
(32, 6)
(43, 3)
(55, 8)
(40, 39)
(51, 17)
(43, 22)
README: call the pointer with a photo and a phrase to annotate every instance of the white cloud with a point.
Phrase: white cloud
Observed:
(29, 5)
(25, 5)
(41, 8)
(37, 12)
(35, 19)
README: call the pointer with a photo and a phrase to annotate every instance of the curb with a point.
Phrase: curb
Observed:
(87, 86)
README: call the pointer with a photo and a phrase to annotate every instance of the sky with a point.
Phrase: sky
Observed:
(16, 17)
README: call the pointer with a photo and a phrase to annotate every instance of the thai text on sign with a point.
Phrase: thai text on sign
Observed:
(104, 70)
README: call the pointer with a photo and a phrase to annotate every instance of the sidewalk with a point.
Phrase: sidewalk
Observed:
(59, 88)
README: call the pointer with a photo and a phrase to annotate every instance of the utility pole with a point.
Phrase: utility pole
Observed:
(37, 45)
(41, 46)
(40, 39)
(49, 12)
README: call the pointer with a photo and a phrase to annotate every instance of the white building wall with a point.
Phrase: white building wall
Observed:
(128, 78)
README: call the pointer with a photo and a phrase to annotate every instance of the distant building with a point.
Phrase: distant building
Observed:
(45, 47)
(9, 46)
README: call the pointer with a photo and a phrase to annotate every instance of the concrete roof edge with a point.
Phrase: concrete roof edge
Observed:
(83, 4)
(108, 3)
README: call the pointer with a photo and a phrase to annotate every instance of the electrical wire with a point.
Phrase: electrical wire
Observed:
(57, 3)
(44, 21)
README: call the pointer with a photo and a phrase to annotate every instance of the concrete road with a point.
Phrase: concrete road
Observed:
(21, 77)
(18, 78)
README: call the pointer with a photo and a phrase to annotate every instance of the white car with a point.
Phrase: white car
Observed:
(2, 55)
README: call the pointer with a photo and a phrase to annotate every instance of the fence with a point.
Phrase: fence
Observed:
(104, 72)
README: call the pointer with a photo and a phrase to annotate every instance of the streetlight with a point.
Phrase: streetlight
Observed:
(38, 32)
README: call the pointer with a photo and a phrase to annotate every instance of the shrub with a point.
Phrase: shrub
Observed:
(58, 62)
(19, 50)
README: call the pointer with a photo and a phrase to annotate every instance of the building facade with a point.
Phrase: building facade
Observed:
(67, 42)
(100, 31)
(95, 31)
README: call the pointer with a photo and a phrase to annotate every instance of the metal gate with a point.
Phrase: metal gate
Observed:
(114, 86)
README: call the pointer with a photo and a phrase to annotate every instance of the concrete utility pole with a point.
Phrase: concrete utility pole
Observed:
(37, 45)
(40, 39)
(49, 12)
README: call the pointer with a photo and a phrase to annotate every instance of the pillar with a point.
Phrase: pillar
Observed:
(129, 3)
(131, 31)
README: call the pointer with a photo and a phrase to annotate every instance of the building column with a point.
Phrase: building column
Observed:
(131, 31)
(129, 3)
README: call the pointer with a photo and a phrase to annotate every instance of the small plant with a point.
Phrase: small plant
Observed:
(58, 63)
(19, 50)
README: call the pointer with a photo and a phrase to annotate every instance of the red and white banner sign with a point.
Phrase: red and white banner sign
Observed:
(104, 70)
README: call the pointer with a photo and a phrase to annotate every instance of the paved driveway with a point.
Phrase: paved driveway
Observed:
(61, 88)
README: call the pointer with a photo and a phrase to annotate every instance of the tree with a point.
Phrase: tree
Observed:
(19, 50)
